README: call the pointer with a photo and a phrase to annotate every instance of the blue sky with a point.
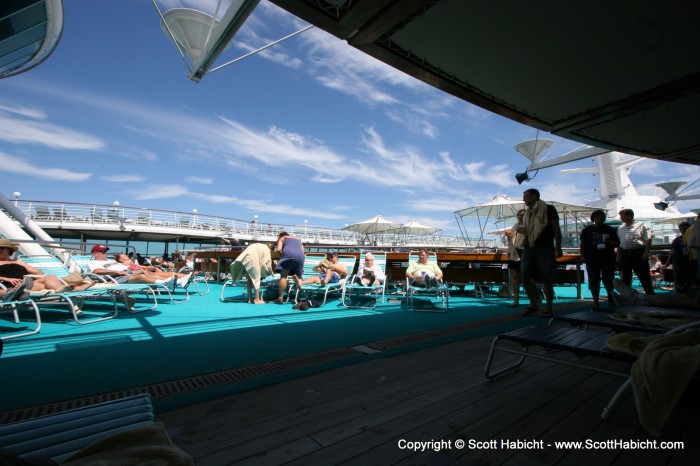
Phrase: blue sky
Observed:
(309, 129)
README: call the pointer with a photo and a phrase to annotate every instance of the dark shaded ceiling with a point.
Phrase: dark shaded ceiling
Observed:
(622, 75)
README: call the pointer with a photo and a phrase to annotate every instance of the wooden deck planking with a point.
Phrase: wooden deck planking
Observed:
(383, 399)
(356, 414)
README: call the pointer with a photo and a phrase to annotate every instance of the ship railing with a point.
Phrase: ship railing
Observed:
(47, 213)
(67, 214)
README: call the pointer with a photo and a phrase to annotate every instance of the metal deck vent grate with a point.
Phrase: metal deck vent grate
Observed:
(186, 385)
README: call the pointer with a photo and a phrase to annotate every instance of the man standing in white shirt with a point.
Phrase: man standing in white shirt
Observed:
(633, 253)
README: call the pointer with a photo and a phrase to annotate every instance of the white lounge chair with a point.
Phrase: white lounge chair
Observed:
(14, 306)
(356, 295)
(311, 289)
(441, 292)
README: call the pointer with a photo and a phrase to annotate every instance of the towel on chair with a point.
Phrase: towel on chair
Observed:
(661, 374)
(255, 260)
(149, 444)
(535, 221)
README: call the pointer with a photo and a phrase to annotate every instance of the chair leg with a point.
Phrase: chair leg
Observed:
(506, 369)
(615, 400)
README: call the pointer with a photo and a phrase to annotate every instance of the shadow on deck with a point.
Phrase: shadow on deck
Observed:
(375, 413)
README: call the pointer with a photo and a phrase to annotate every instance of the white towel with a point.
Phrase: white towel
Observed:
(515, 242)
(535, 221)
(661, 375)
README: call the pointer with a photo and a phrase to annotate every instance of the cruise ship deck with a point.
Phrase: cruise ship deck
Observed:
(243, 384)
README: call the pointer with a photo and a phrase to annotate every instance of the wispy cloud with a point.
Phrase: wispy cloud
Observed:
(255, 205)
(224, 142)
(11, 164)
(199, 180)
(22, 131)
(123, 178)
(441, 203)
(159, 191)
(23, 111)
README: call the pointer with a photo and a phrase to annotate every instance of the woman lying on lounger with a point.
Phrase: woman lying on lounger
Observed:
(151, 271)
(13, 273)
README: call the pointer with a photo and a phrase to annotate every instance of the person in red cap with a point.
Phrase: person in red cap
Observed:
(101, 265)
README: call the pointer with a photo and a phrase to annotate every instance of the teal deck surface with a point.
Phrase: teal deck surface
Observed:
(66, 360)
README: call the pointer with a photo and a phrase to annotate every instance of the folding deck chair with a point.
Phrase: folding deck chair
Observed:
(14, 307)
(355, 295)
(155, 288)
(665, 319)
(441, 291)
(311, 260)
(59, 436)
(558, 339)
(51, 265)
(194, 279)
(266, 283)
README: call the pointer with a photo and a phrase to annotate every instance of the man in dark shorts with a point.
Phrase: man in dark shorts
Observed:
(291, 262)
(541, 248)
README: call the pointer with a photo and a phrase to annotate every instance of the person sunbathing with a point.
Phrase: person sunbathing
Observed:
(14, 272)
(628, 295)
(120, 273)
(147, 269)
(329, 271)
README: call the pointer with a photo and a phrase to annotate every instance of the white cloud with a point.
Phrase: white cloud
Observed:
(24, 111)
(157, 191)
(123, 178)
(254, 205)
(11, 164)
(439, 204)
(199, 180)
(57, 137)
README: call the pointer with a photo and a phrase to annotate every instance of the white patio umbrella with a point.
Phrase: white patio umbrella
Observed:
(502, 209)
(374, 225)
(418, 229)
(675, 220)
(497, 210)
(372, 228)
(498, 207)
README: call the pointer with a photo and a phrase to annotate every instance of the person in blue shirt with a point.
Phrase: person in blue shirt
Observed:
(291, 262)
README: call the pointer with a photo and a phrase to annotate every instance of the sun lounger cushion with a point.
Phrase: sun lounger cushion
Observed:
(60, 435)
(577, 341)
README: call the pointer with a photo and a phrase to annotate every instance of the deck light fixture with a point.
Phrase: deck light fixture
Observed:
(201, 36)
(520, 177)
